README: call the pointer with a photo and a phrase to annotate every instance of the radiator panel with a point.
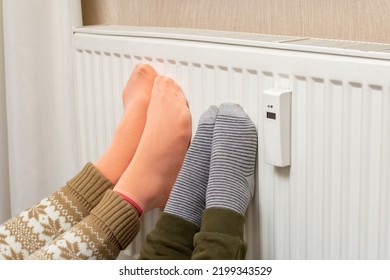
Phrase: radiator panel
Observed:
(334, 200)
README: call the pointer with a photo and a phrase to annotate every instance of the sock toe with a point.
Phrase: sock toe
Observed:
(209, 115)
(232, 109)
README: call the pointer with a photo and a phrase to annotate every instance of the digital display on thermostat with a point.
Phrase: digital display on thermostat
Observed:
(271, 115)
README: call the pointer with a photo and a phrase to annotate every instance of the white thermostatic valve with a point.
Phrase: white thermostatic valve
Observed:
(277, 126)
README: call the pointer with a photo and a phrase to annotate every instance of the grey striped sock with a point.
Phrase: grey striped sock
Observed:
(187, 199)
(233, 157)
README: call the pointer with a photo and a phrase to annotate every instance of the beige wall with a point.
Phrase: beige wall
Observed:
(361, 20)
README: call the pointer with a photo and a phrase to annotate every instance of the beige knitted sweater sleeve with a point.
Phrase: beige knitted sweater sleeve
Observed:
(82, 220)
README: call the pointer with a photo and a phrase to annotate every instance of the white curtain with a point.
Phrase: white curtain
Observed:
(5, 209)
(38, 143)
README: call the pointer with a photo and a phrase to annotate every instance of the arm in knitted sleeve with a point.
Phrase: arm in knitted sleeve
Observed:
(110, 228)
(36, 227)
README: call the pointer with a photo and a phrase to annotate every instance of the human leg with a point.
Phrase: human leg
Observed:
(162, 148)
(230, 186)
(107, 230)
(114, 223)
(136, 97)
(172, 237)
(34, 228)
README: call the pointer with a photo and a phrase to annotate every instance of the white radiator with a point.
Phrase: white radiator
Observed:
(334, 200)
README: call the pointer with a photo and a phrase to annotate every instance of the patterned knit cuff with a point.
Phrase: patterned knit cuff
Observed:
(89, 186)
(119, 217)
